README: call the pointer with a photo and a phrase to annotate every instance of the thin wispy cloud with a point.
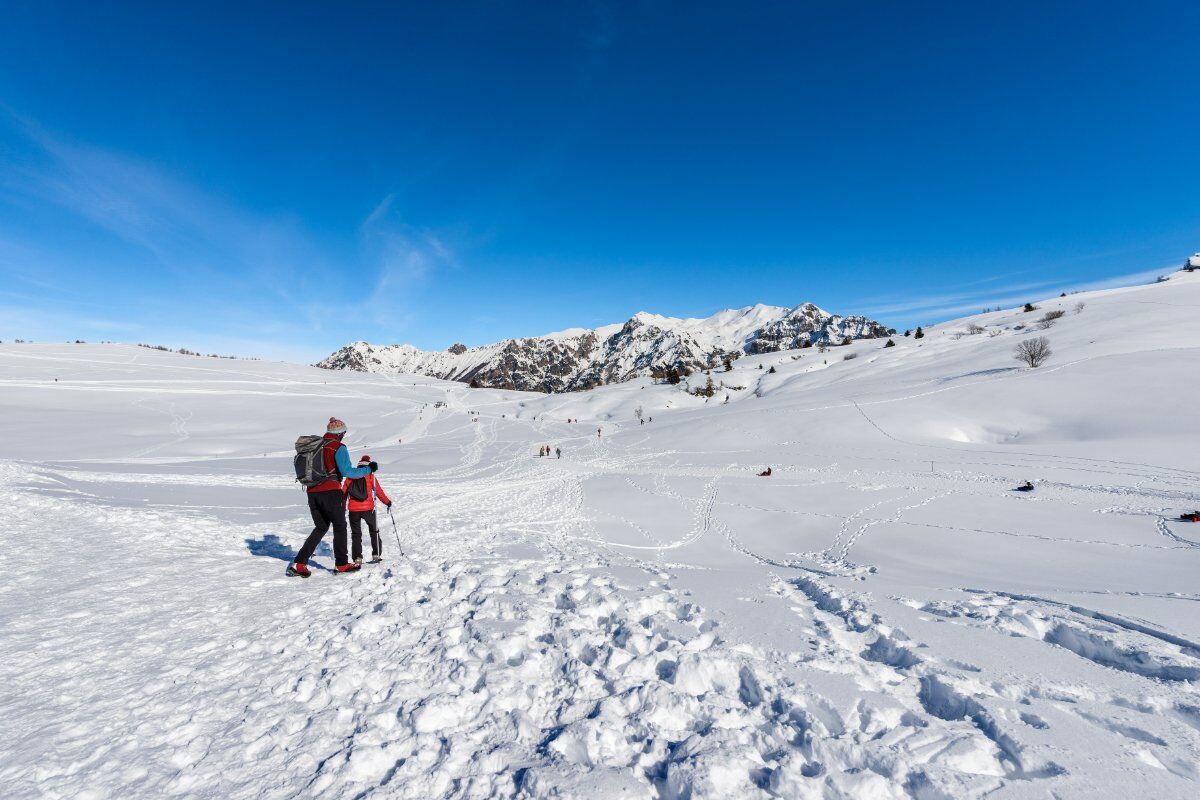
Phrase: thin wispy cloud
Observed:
(936, 308)
(188, 231)
(228, 273)
(404, 258)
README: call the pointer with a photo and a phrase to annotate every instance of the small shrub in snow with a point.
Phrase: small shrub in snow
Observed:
(1033, 352)
(920, 334)
(908, 333)
(1080, 306)
(975, 330)
(849, 356)
(1030, 307)
(994, 334)
(728, 365)
(890, 343)
(1050, 317)
(771, 371)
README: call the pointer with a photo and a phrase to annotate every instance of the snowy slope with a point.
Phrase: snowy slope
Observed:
(881, 618)
(579, 358)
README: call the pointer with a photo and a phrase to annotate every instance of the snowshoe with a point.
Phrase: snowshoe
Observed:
(376, 559)
(1193, 516)
(298, 571)
(348, 567)
(1027, 487)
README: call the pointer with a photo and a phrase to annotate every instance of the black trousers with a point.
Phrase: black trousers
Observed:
(328, 508)
(356, 518)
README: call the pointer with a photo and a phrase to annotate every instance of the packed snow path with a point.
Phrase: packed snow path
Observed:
(642, 618)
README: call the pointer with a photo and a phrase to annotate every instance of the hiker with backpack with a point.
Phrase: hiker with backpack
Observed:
(361, 494)
(321, 464)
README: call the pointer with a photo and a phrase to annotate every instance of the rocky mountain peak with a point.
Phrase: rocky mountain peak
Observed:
(645, 344)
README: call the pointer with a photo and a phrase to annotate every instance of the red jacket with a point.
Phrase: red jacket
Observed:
(374, 489)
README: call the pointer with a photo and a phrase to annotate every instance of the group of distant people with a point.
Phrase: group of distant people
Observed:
(545, 451)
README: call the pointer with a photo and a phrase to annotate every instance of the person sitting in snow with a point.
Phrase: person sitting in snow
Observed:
(327, 502)
(361, 493)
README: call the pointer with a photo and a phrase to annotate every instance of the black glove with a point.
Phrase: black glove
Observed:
(374, 466)
(389, 505)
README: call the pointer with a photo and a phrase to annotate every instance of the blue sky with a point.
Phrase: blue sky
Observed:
(279, 179)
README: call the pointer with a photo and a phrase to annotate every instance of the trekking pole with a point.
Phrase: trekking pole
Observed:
(396, 530)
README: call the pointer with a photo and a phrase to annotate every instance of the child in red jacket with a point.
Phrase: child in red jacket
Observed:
(361, 493)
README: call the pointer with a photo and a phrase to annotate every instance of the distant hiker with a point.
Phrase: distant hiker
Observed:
(1025, 487)
(641, 422)
(541, 452)
(650, 420)
(558, 452)
(328, 465)
(597, 433)
(361, 493)
(766, 473)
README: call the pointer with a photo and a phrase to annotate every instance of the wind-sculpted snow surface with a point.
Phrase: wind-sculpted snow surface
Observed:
(882, 617)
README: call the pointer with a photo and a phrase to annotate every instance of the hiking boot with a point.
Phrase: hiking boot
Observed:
(358, 560)
(348, 567)
(298, 570)
(376, 558)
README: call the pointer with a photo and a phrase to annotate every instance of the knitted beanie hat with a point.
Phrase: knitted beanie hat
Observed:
(335, 426)
(365, 460)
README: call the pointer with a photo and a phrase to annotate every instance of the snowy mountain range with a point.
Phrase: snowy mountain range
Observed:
(579, 358)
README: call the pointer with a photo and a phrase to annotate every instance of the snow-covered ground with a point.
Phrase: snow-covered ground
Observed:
(883, 617)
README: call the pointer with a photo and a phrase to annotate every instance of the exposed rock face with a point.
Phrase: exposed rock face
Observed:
(806, 324)
(583, 359)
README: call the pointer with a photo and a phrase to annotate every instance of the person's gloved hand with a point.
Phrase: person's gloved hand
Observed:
(389, 505)
(374, 466)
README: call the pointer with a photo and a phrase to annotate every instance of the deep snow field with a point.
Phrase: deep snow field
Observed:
(883, 617)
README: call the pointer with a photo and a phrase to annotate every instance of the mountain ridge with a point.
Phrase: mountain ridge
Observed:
(577, 359)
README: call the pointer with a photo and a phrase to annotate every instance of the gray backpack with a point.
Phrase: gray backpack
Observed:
(310, 461)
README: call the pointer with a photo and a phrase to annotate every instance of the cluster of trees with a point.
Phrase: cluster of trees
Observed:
(672, 375)
(707, 390)
(183, 351)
